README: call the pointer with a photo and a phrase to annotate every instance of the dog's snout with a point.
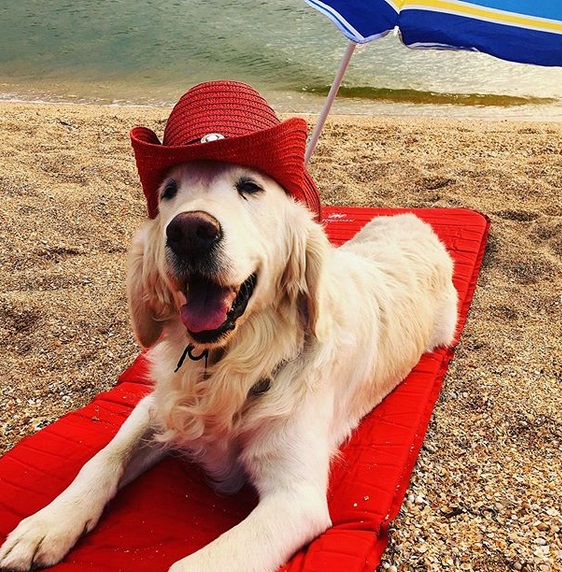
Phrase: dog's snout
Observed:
(193, 234)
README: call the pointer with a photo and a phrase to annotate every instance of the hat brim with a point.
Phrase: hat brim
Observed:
(278, 152)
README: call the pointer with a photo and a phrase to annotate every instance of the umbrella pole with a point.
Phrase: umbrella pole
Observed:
(329, 101)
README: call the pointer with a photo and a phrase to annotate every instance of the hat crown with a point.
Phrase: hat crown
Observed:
(231, 122)
(226, 108)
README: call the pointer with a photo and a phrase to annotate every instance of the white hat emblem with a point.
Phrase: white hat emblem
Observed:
(211, 137)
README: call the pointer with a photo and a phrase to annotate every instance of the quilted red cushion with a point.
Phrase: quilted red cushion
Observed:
(170, 511)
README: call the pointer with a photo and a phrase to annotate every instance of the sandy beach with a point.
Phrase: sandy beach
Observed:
(485, 493)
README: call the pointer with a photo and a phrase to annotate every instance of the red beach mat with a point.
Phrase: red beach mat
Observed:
(170, 511)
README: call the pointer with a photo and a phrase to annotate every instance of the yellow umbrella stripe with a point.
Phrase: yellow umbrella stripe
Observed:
(482, 13)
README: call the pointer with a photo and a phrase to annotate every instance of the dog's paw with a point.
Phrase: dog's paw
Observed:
(40, 540)
(194, 563)
(208, 560)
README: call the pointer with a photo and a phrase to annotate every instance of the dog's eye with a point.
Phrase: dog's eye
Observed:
(246, 186)
(170, 190)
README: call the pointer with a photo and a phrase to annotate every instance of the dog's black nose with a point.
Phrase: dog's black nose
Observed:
(193, 234)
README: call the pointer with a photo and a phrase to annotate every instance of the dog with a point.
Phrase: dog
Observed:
(267, 344)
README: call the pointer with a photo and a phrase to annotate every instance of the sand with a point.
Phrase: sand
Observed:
(485, 493)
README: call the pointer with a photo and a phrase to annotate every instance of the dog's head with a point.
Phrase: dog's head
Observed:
(227, 242)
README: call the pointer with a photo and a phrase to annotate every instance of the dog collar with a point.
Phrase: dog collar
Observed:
(259, 388)
(189, 352)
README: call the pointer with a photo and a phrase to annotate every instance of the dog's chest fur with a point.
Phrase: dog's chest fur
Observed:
(210, 416)
(221, 399)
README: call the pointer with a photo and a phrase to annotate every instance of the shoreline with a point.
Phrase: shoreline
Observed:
(484, 494)
(310, 104)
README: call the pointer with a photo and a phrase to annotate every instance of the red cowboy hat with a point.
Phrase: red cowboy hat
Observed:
(231, 122)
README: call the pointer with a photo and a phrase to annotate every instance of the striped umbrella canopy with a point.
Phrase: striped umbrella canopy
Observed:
(526, 31)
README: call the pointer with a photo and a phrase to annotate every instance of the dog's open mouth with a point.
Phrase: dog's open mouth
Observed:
(211, 310)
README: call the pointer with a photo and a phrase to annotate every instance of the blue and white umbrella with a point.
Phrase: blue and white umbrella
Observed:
(526, 31)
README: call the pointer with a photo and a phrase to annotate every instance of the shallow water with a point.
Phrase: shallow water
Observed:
(148, 53)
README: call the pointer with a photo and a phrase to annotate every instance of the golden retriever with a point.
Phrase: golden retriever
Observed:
(268, 345)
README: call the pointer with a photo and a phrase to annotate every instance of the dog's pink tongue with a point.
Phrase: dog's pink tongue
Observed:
(207, 306)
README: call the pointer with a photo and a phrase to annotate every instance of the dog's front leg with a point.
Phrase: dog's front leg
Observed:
(289, 465)
(44, 538)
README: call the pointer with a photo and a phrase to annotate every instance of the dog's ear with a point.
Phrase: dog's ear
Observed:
(317, 246)
(150, 301)
(304, 276)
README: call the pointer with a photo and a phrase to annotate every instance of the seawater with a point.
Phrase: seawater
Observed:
(147, 52)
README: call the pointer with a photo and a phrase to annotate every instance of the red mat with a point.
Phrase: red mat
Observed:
(170, 511)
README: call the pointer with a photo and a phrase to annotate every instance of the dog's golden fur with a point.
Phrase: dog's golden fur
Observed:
(331, 330)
